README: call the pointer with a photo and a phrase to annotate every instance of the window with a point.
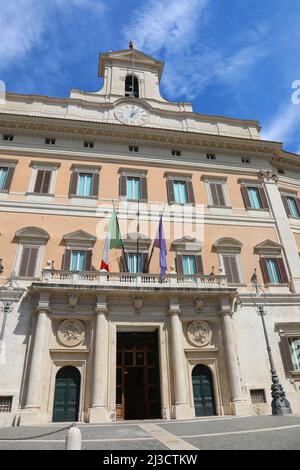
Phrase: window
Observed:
(134, 262)
(28, 261)
(5, 404)
(133, 188)
(291, 205)
(280, 171)
(294, 348)
(273, 270)
(3, 175)
(245, 160)
(8, 137)
(231, 268)
(176, 153)
(78, 260)
(133, 148)
(84, 181)
(217, 194)
(42, 181)
(189, 264)
(132, 86)
(89, 145)
(254, 197)
(50, 141)
(211, 156)
(180, 192)
(84, 185)
(258, 396)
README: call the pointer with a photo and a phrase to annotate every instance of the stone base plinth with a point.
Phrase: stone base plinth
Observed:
(30, 417)
(99, 414)
(182, 412)
(241, 408)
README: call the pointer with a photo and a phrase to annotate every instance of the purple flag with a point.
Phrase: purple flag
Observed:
(160, 243)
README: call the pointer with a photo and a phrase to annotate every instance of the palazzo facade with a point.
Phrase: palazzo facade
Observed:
(80, 344)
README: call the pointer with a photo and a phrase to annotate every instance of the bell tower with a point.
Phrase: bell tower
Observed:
(130, 72)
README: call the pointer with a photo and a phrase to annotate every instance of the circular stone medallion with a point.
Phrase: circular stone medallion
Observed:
(71, 332)
(199, 333)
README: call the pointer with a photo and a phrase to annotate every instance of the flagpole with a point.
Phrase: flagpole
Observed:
(138, 236)
(123, 249)
(152, 250)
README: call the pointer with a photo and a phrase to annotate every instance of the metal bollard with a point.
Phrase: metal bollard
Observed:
(73, 438)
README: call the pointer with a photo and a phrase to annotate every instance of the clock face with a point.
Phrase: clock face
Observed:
(131, 114)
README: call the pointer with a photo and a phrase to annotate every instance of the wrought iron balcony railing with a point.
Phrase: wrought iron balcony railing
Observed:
(123, 280)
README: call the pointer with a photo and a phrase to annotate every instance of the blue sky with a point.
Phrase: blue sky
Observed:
(229, 57)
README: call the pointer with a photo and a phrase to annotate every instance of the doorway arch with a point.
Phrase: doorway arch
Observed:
(66, 396)
(203, 388)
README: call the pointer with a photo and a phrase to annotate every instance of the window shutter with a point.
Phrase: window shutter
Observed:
(73, 183)
(39, 181)
(286, 206)
(231, 269)
(285, 348)
(199, 264)
(179, 264)
(124, 262)
(144, 262)
(67, 260)
(214, 195)
(123, 186)
(24, 261)
(264, 270)
(144, 189)
(282, 270)
(88, 260)
(32, 262)
(28, 262)
(298, 204)
(46, 182)
(170, 189)
(263, 198)
(190, 192)
(246, 199)
(95, 191)
(8, 179)
(220, 191)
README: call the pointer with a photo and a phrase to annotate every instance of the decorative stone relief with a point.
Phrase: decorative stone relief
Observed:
(199, 333)
(71, 332)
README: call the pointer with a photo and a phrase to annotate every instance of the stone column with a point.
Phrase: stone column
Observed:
(36, 365)
(181, 407)
(239, 403)
(99, 407)
(285, 233)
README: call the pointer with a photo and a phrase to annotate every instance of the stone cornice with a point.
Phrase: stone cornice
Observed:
(75, 129)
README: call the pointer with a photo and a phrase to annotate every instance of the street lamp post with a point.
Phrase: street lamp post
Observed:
(280, 405)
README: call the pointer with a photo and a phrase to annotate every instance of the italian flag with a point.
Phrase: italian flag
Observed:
(113, 240)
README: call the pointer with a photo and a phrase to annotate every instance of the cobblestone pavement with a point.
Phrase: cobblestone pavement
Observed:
(256, 432)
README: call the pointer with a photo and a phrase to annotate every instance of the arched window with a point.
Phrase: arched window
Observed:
(128, 86)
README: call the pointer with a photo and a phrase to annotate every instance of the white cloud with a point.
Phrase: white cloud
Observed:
(23, 24)
(175, 31)
(284, 125)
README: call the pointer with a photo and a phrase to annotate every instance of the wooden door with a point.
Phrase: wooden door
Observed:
(67, 392)
(203, 391)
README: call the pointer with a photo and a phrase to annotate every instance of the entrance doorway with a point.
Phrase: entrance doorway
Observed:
(138, 383)
(203, 389)
(66, 397)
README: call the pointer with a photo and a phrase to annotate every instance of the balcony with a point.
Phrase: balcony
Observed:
(139, 281)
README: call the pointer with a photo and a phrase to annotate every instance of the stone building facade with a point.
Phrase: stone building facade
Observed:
(81, 344)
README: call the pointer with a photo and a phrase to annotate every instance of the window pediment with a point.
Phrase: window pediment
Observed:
(227, 244)
(130, 241)
(32, 234)
(80, 238)
(187, 244)
(268, 247)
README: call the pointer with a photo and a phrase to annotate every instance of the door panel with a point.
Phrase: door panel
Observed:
(66, 397)
(203, 391)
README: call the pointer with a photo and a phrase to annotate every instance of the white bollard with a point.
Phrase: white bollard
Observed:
(73, 438)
